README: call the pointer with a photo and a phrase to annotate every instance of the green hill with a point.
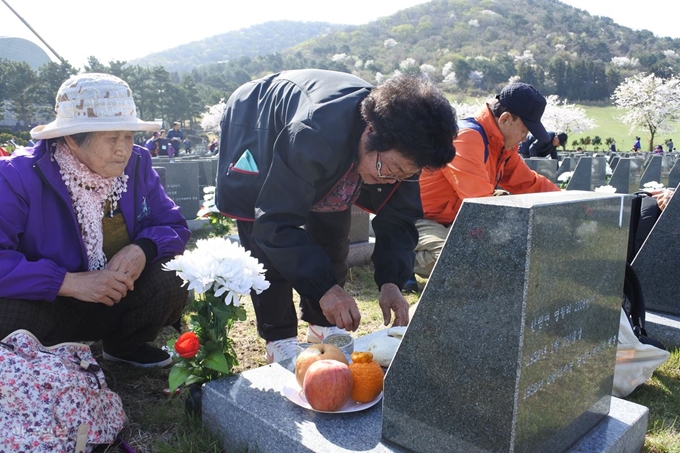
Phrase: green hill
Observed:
(261, 39)
(558, 48)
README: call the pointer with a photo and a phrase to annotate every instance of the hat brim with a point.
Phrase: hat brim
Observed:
(63, 128)
(537, 130)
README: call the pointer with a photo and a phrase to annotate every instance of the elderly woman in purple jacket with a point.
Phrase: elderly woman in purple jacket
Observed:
(85, 226)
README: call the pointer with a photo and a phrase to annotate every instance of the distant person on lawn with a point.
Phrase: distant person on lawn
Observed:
(486, 161)
(297, 150)
(532, 147)
(85, 226)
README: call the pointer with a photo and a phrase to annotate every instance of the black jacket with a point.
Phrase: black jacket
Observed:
(531, 147)
(286, 140)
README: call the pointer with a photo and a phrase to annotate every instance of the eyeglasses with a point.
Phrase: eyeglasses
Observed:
(378, 167)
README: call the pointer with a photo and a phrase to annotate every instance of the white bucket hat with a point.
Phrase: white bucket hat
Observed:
(93, 102)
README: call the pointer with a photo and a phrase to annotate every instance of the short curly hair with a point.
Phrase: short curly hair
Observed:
(409, 114)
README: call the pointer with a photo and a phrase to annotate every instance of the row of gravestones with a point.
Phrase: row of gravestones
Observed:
(629, 174)
(184, 180)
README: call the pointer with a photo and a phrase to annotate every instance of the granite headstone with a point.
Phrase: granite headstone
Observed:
(674, 174)
(513, 344)
(651, 171)
(626, 175)
(545, 167)
(182, 186)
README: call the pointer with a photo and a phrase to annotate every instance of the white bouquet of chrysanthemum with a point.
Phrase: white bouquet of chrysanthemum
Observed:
(221, 223)
(219, 272)
(564, 178)
(653, 185)
(605, 189)
(222, 266)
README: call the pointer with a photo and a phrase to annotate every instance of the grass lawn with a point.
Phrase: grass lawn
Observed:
(158, 423)
(609, 125)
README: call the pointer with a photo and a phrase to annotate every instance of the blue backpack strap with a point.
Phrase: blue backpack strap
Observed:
(471, 123)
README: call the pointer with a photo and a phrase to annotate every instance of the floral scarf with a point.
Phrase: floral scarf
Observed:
(89, 193)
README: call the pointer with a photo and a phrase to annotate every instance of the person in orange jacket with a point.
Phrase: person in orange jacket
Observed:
(486, 161)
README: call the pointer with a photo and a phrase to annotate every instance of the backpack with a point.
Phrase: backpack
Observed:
(644, 213)
(637, 355)
(54, 399)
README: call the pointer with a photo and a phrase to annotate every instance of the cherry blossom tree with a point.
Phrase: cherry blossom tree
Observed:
(210, 121)
(560, 116)
(652, 103)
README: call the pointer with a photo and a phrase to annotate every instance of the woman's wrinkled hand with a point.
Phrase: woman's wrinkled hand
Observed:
(340, 308)
(129, 260)
(103, 286)
(663, 197)
(392, 300)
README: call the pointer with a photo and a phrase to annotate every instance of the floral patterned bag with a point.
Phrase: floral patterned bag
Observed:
(54, 399)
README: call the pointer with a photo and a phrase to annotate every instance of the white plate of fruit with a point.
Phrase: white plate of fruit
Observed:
(325, 381)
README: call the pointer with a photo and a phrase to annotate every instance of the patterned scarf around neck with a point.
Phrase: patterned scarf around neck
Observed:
(89, 194)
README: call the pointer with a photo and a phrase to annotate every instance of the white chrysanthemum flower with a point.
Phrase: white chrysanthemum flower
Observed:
(220, 265)
(606, 189)
(653, 185)
(566, 176)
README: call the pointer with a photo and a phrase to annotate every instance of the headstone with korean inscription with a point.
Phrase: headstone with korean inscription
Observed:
(513, 344)
(182, 185)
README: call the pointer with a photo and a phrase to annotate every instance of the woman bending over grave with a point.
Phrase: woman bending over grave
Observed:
(85, 226)
(298, 149)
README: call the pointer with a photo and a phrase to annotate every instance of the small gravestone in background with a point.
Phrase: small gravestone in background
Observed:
(567, 164)
(182, 186)
(359, 226)
(545, 167)
(651, 171)
(667, 162)
(513, 344)
(626, 175)
(658, 262)
(674, 174)
(583, 175)
(590, 172)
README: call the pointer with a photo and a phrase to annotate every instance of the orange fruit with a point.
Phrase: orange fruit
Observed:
(367, 377)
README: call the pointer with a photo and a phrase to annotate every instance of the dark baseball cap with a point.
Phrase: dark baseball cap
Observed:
(526, 102)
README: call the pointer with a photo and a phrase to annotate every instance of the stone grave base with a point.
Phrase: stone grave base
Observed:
(663, 327)
(249, 410)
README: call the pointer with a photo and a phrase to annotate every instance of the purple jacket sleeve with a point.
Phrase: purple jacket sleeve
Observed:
(157, 217)
(21, 278)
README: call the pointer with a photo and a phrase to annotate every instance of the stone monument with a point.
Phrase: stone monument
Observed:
(542, 166)
(513, 344)
(182, 185)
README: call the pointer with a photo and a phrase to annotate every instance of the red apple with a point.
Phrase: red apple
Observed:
(327, 385)
(319, 351)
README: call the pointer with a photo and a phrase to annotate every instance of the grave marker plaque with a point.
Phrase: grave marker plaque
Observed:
(513, 345)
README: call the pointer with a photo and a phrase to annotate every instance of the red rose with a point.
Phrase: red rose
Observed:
(187, 345)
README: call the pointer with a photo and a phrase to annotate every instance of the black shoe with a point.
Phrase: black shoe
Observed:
(411, 285)
(146, 356)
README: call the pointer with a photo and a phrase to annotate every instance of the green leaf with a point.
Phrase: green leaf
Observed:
(216, 361)
(178, 375)
(194, 379)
